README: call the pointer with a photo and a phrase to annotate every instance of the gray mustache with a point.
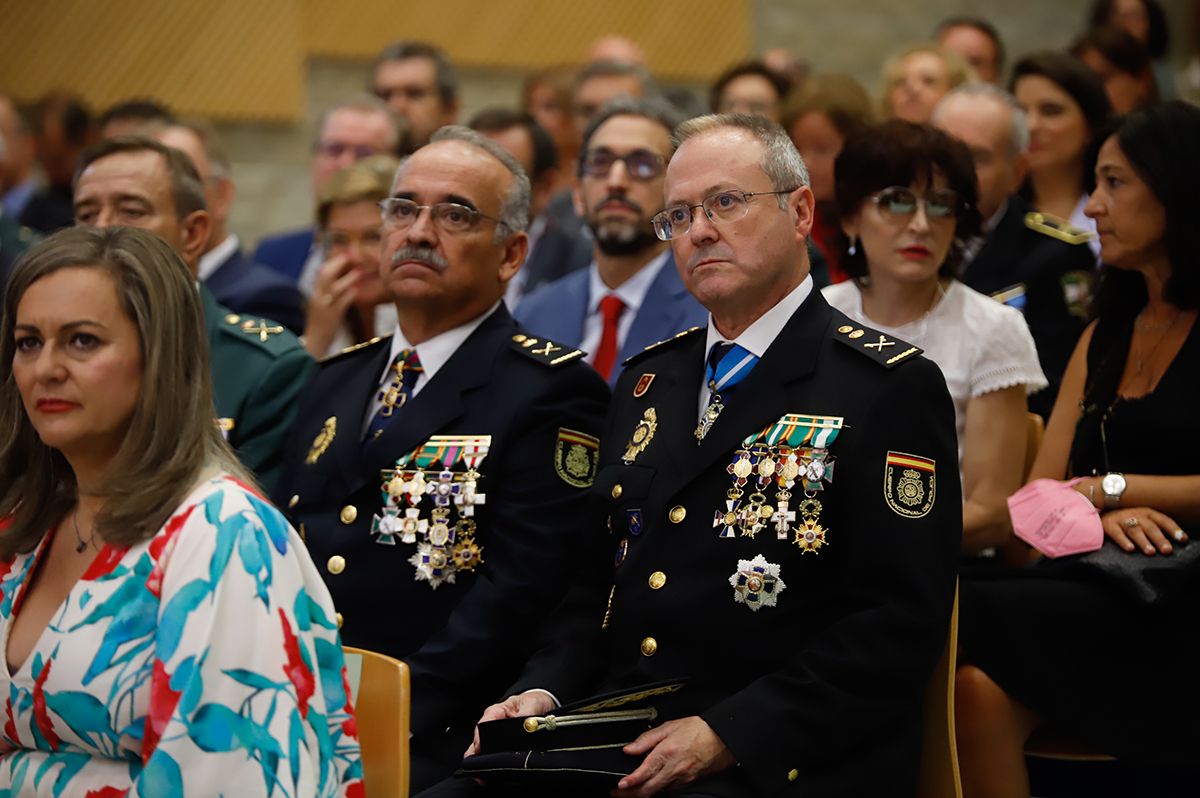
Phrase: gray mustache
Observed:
(425, 255)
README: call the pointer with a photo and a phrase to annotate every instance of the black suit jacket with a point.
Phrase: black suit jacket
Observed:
(255, 290)
(821, 694)
(463, 641)
(1016, 254)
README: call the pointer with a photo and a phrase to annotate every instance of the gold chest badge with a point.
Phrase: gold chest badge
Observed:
(322, 441)
(643, 433)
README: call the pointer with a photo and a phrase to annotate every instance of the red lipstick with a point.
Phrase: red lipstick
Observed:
(55, 405)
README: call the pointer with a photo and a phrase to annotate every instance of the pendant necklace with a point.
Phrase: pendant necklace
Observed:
(82, 544)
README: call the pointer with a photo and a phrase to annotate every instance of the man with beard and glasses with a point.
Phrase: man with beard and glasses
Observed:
(482, 436)
(631, 296)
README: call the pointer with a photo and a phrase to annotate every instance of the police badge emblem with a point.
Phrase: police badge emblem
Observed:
(322, 441)
(576, 456)
(909, 484)
(643, 433)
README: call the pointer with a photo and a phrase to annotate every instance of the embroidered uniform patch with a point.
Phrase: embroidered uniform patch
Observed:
(575, 457)
(909, 484)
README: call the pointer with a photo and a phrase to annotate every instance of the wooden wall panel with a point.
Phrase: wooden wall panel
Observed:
(689, 40)
(222, 59)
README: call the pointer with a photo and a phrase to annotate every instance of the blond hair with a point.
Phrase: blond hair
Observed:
(957, 69)
(368, 180)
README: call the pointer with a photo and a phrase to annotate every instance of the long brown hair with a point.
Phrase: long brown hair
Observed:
(172, 438)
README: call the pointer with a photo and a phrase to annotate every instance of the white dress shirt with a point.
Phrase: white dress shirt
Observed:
(433, 355)
(216, 257)
(759, 336)
(632, 293)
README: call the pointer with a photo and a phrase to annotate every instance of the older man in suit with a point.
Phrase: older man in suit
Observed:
(237, 283)
(631, 296)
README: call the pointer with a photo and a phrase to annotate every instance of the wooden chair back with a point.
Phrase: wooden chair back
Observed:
(382, 701)
(939, 776)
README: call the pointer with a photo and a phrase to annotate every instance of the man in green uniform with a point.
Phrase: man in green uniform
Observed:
(259, 368)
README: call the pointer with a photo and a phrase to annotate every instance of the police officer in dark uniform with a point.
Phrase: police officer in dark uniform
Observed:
(783, 495)
(440, 474)
(1037, 264)
(259, 369)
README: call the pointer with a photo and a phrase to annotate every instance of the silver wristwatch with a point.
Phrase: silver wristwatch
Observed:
(1113, 486)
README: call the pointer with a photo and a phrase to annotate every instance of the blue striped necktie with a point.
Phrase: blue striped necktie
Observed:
(728, 364)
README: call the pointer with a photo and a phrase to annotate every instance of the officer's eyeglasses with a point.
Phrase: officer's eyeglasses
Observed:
(724, 206)
(450, 217)
(900, 204)
(640, 164)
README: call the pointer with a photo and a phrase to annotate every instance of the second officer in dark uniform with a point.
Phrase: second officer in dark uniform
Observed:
(785, 508)
(440, 474)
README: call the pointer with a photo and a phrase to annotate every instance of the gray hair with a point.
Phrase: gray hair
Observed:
(1018, 135)
(605, 68)
(364, 103)
(514, 209)
(653, 108)
(781, 161)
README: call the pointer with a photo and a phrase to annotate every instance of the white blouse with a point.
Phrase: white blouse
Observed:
(979, 344)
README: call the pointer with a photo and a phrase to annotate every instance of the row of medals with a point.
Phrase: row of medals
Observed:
(444, 546)
(783, 466)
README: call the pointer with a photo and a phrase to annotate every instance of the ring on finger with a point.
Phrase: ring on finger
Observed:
(1130, 522)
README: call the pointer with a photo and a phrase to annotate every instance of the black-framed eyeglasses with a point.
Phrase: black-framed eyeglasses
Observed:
(450, 217)
(898, 203)
(640, 164)
(724, 206)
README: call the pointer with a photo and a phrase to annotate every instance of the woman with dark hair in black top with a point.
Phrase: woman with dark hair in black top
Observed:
(1057, 645)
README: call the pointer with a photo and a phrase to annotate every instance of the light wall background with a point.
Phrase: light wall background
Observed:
(264, 70)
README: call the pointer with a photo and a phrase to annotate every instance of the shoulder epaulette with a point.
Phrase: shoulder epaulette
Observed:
(263, 333)
(883, 349)
(544, 350)
(1057, 228)
(356, 347)
(663, 342)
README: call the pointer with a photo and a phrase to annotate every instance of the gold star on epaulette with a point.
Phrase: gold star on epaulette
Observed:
(544, 350)
(883, 349)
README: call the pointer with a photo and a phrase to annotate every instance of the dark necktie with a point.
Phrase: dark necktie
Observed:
(405, 370)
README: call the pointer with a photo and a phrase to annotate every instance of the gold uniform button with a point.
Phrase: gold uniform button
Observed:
(677, 514)
(338, 617)
(348, 514)
(292, 502)
(617, 491)
(657, 580)
(793, 774)
(857, 334)
(336, 564)
(233, 318)
(649, 647)
(845, 328)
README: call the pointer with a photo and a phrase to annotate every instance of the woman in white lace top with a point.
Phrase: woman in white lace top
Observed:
(906, 197)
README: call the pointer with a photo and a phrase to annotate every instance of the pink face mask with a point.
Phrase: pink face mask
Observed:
(1055, 519)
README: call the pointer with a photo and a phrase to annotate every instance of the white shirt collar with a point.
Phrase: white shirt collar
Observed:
(632, 292)
(216, 257)
(766, 328)
(436, 351)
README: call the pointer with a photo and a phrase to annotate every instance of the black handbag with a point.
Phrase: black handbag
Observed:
(1150, 580)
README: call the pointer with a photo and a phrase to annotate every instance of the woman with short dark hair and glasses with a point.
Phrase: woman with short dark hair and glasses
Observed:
(906, 199)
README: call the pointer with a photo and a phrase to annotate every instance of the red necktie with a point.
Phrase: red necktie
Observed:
(606, 354)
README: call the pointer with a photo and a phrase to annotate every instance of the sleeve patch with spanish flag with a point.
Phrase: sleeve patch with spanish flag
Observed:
(909, 484)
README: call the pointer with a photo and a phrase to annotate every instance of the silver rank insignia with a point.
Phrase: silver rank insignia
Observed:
(757, 583)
